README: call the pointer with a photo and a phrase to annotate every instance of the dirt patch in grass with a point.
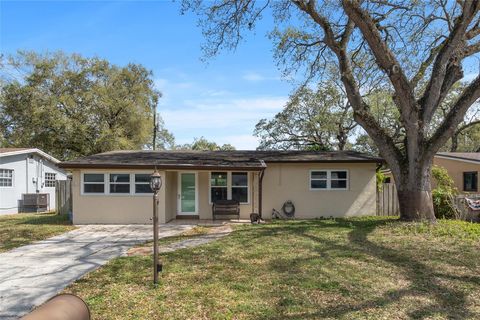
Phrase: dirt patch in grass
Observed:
(369, 268)
(20, 229)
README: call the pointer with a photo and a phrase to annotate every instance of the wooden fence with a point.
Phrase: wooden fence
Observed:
(63, 196)
(387, 200)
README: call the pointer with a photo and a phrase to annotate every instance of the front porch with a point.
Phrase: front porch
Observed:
(188, 196)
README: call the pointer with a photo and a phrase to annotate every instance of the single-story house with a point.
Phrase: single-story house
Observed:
(113, 187)
(27, 171)
(462, 167)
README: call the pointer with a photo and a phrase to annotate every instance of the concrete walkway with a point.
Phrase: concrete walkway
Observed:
(32, 274)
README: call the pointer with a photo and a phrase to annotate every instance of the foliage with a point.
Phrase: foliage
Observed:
(21, 229)
(414, 50)
(380, 179)
(202, 144)
(71, 106)
(318, 119)
(444, 193)
(360, 268)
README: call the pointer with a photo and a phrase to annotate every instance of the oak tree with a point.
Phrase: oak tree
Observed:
(416, 50)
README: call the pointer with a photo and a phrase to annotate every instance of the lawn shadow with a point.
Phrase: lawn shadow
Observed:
(424, 281)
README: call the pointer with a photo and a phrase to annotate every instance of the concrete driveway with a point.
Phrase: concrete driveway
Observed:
(32, 274)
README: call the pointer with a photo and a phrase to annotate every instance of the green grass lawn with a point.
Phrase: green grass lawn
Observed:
(370, 268)
(21, 229)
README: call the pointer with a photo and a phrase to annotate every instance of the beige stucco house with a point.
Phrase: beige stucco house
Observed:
(113, 187)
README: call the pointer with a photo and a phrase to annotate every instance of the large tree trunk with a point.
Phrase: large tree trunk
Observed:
(415, 194)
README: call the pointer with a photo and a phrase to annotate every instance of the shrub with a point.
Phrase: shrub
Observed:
(444, 194)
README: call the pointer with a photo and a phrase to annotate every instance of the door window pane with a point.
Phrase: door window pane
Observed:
(188, 192)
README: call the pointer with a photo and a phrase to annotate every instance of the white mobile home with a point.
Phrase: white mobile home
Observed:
(27, 171)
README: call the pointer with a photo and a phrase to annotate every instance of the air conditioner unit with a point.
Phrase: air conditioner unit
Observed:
(36, 202)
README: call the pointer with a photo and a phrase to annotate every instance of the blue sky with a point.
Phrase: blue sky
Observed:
(221, 100)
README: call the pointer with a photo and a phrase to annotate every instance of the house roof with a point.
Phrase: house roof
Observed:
(461, 156)
(4, 152)
(238, 159)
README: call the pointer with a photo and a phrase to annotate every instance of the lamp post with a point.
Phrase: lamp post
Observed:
(155, 184)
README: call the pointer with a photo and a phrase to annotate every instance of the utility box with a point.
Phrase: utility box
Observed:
(35, 202)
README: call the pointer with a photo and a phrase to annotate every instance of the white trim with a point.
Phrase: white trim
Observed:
(328, 180)
(179, 194)
(33, 150)
(82, 187)
(456, 159)
(229, 185)
(13, 179)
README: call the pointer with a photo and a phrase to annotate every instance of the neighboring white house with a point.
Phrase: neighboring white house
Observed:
(26, 171)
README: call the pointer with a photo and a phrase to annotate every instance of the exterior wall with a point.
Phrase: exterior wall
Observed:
(281, 182)
(115, 209)
(456, 169)
(284, 182)
(28, 177)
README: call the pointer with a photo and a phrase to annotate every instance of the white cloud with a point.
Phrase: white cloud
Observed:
(253, 76)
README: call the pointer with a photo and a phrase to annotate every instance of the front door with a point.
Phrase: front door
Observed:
(187, 193)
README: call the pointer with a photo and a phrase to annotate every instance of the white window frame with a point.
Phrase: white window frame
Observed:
(50, 180)
(105, 177)
(329, 180)
(134, 184)
(129, 183)
(229, 185)
(106, 184)
(12, 178)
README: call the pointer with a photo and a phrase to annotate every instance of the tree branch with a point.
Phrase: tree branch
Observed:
(430, 99)
(454, 117)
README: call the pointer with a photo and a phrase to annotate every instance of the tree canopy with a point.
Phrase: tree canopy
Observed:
(415, 50)
(319, 119)
(72, 106)
(202, 144)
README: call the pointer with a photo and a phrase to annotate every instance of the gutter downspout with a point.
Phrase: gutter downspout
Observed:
(260, 182)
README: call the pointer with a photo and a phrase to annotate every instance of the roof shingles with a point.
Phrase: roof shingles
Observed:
(246, 160)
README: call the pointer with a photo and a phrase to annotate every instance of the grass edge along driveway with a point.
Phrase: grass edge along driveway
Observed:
(24, 228)
(358, 268)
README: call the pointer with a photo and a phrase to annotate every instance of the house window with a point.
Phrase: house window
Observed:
(218, 186)
(240, 186)
(470, 181)
(119, 183)
(229, 185)
(6, 178)
(142, 183)
(50, 179)
(93, 183)
(328, 180)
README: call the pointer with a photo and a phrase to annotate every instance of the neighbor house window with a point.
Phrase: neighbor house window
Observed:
(240, 186)
(218, 186)
(119, 183)
(6, 178)
(50, 179)
(329, 180)
(142, 183)
(470, 181)
(93, 183)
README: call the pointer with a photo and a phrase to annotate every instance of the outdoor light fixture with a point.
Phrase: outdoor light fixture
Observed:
(155, 184)
(155, 181)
